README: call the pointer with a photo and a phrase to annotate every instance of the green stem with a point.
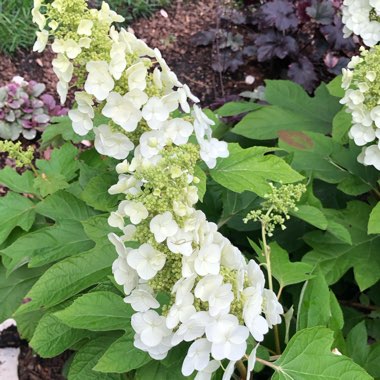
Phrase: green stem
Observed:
(269, 364)
(242, 370)
(266, 251)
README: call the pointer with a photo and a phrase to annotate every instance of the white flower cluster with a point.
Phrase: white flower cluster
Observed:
(360, 82)
(218, 299)
(362, 17)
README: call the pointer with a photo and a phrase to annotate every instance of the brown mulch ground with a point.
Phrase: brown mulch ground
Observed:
(173, 36)
(31, 366)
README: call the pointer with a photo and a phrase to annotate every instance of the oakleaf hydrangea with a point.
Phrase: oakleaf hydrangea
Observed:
(217, 298)
(361, 81)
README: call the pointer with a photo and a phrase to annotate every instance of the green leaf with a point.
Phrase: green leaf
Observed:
(292, 109)
(122, 356)
(308, 356)
(86, 358)
(374, 220)
(341, 125)
(27, 323)
(49, 184)
(311, 215)
(235, 209)
(14, 287)
(19, 183)
(63, 162)
(63, 205)
(367, 356)
(157, 371)
(249, 169)
(52, 337)
(47, 245)
(286, 272)
(201, 175)
(97, 228)
(97, 311)
(335, 257)
(96, 193)
(236, 108)
(312, 154)
(15, 210)
(314, 304)
(61, 130)
(354, 185)
(69, 277)
(335, 87)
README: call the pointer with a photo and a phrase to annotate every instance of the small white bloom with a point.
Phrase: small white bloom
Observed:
(84, 27)
(197, 358)
(141, 299)
(229, 339)
(151, 143)
(81, 122)
(220, 300)
(361, 134)
(116, 220)
(207, 260)
(122, 111)
(99, 81)
(207, 372)
(178, 131)
(207, 285)
(41, 41)
(163, 226)
(181, 242)
(136, 211)
(155, 112)
(113, 144)
(127, 184)
(151, 327)
(136, 75)
(72, 49)
(124, 275)
(272, 308)
(146, 260)
(137, 97)
(181, 311)
(63, 68)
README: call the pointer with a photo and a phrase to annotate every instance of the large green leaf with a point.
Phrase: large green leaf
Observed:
(311, 215)
(365, 355)
(252, 170)
(291, 109)
(236, 108)
(70, 276)
(52, 337)
(314, 304)
(336, 257)
(286, 272)
(48, 244)
(14, 288)
(19, 183)
(15, 210)
(97, 311)
(63, 205)
(122, 356)
(47, 184)
(96, 193)
(63, 161)
(374, 220)
(97, 228)
(308, 356)
(86, 358)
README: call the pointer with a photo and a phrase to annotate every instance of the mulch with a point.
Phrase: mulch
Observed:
(31, 366)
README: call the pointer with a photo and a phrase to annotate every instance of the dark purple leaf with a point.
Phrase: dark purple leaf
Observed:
(203, 38)
(337, 69)
(250, 51)
(274, 44)
(280, 14)
(234, 41)
(334, 36)
(322, 11)
(303, 73)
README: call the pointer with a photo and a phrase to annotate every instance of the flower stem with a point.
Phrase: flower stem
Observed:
(269, 364)
(242, 370)
(266, 251)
